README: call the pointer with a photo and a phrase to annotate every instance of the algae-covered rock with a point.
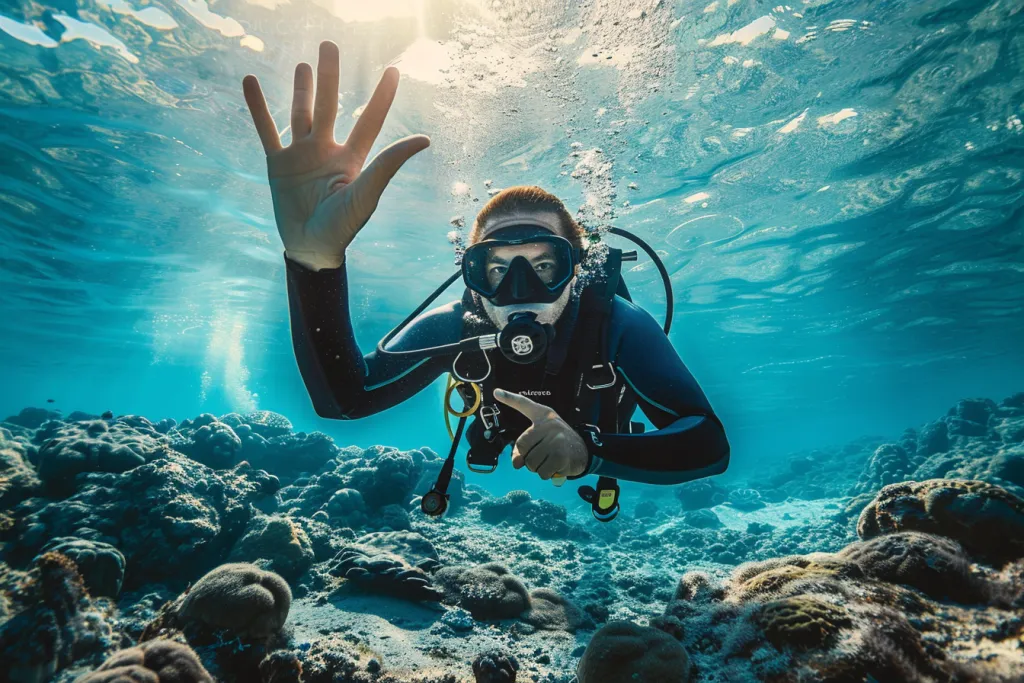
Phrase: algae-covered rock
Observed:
(100, 564)
(279, 541)
(987, 520)
(802, 622)
(489, 591)
(623, 652)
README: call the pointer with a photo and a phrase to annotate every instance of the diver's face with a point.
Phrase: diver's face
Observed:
(540, 256)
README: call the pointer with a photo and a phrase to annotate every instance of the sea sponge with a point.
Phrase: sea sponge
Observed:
(100, 564)
(155, 661)
(936, 566)
(489, 591)
(987, 520)
(495, 667)
(623, 652)
(240, 598)
(802, 622)
(280, 541)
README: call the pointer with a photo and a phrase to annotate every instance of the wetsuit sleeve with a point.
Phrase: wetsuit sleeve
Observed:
(342, 382)
(689, 442)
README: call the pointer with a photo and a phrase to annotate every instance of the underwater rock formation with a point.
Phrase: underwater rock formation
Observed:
(155, 661)
(100, 564)
(172, 518)
(985, 519)
(49, 621)
(279, 542)
(69, 449)
(240, 598)
(931, 589)
(623, 652)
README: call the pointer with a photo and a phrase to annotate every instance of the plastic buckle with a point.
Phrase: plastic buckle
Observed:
(593, 432)
(604, 385)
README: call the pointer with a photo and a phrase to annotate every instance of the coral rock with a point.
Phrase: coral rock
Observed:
(155, 661)
(550, 611)
(802, 622)
(240, 598)
(100, 564)
(623, 652)
(280, 541)
(987, 520)
(495, 667)
(489, 592)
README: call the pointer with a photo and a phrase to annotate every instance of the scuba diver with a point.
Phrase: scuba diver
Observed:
(545, 349)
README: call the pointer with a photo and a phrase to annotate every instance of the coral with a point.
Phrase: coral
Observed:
(389, 478)
(32, 418)
(702, 519)
(385, 573)
(495, 667)
(267, 424)
(934, 565)
(933, 438)
(155, 661)
(542, 518)
(101, 565)
(699, 494)
(802, 622)
(888, 464)
(645, 509)
(214, 444)
(550, 611)
(18, 479)
(623, 652)
(69, 449)
(241, 598)
(774, 577)
(278, 540)
(53, 622)
(987, 520)
(489, 591)
(347, 508)
(746, 499)
(173, 518)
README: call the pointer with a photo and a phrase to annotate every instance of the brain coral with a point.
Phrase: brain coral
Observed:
(623, 652)
(987, 520)
(241, 598)
(155, 661)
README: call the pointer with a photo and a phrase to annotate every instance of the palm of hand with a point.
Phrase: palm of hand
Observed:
(322, 194)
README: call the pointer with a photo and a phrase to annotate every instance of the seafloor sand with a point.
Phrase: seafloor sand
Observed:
(238, 549)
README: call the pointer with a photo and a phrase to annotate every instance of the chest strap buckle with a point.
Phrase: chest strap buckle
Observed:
(604, 377)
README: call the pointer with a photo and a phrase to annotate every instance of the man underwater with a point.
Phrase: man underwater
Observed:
(567, 363)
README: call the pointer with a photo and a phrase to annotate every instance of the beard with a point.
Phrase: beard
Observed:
(546, 313)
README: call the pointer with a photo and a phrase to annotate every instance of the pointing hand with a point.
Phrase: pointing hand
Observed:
(549, 446)
(322, 194)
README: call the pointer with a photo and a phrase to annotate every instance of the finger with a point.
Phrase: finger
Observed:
(536, 412)
(530, 437)
(518, 459)
(261, 117)
(536, 458)
(551, 466)
(370, 184)
(368, 126)
(302, 101)
(327, 75)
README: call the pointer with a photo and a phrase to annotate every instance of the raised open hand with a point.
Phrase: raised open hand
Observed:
(322, 194)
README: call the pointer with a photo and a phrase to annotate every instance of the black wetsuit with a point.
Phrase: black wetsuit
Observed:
(689, 442)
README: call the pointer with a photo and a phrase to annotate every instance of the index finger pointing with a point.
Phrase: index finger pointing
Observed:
(536, 412)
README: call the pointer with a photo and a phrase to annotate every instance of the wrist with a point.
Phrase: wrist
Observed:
(314, 260)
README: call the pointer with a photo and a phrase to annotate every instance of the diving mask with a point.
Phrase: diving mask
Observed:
(520, 264)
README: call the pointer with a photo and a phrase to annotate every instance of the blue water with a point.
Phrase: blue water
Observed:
(837, 189)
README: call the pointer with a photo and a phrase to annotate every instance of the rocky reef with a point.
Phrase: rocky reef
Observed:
(237, 549)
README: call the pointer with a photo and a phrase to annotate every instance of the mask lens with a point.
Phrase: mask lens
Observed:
(486, 264)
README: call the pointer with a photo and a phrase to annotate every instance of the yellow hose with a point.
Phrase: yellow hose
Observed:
(452, 386)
